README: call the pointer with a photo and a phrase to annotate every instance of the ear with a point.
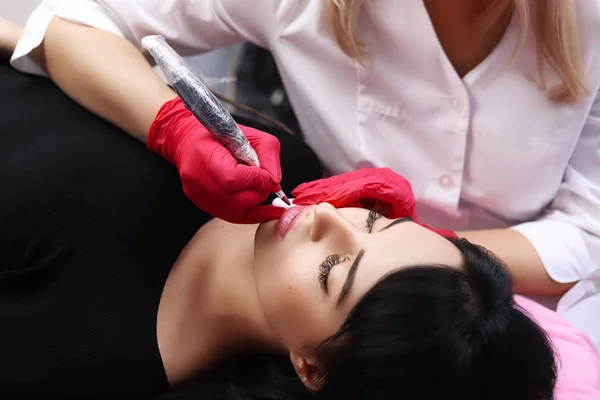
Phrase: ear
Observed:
(308, 371)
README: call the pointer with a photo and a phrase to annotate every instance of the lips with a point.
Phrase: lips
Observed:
(287, 220)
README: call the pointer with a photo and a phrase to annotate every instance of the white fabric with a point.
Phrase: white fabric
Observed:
(488, 150)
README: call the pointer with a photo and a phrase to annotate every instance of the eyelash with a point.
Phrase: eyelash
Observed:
(374, 215)
(335, 259)
(326, 266)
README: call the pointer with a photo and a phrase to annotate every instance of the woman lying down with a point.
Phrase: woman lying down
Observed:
(113, 285)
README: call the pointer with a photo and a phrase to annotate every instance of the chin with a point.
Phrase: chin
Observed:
(265, 234)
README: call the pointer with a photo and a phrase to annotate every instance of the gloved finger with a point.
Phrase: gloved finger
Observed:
(258, 214)
(383, 186)
(322, 188)
(313, 186)
(232, 176)
(310, 196)
(242, 200)
(268, 150)
(392, 204)
(390, 209)
(399, 198)
(348, 182)
(338, 195)
(254, 178)
(336, 199)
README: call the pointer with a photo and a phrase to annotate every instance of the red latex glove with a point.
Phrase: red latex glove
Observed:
(366, 188)
(212, 179)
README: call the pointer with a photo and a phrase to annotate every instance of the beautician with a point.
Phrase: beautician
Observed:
(489, 108)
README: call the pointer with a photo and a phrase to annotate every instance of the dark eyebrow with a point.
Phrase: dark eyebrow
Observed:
(350, 278)
(398, 221)
(352, 271)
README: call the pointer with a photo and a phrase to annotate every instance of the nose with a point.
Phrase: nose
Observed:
(328, 224)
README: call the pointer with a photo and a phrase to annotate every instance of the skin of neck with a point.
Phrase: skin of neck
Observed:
(232, 301)
(209, 309)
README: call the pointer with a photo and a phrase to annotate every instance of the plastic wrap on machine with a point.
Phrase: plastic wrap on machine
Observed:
(201, 102)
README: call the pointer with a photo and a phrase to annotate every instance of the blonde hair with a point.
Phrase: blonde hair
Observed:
(553, 23)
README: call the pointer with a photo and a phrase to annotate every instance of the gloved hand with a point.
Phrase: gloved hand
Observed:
(381, 188)
(212, 179)
(367, 188)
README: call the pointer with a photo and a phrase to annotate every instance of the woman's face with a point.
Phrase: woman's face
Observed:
(316, 263)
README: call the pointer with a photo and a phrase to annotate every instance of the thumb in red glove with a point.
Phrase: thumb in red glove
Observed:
(211, 177)
(367, 188)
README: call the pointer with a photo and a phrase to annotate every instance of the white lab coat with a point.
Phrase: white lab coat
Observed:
(485, 151)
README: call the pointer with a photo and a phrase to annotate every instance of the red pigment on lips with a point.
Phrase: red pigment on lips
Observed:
(286, 221)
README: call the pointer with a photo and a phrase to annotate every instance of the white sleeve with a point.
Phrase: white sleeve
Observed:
(191, 27)
(87, 12)
(567, 236)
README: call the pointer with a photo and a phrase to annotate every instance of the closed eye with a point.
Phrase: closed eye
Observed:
(325, 267)
(373, 216)
(397, 221)
(352, 272)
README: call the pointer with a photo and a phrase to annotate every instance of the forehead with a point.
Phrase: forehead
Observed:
(403, 245)
(408, 243)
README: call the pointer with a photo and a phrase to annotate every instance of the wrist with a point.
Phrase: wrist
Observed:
(156, 100)
(169, 129)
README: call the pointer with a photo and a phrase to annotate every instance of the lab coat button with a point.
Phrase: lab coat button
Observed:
(457, 104)
(447, 182)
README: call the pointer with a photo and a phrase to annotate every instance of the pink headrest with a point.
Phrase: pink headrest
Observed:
(577, 358)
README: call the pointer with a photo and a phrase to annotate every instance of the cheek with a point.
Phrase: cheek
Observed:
(292, 285)
(293, 303)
